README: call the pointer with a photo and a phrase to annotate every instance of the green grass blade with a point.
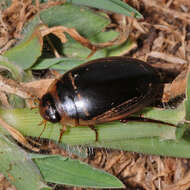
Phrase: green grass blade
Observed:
(27, 122)
(64, 63)
(145, 137)
(156, 146)
(173, 116)
(187, 100)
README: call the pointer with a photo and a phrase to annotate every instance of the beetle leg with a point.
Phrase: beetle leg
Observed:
(95, 130)
(93, 51)
(132, 118)
(44, 122)
(33, 102)
(62, 130)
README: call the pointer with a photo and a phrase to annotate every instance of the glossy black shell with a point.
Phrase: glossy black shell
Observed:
(101, 90)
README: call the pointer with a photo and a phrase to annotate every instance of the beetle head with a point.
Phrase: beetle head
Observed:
(48, 109)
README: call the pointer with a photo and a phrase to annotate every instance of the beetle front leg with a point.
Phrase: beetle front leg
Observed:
(43, 122)
(62, 130)
(95, 130)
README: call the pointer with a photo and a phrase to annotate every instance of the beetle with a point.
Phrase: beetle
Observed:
(100, 91)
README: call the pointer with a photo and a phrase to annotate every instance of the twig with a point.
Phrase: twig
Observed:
(13, 87)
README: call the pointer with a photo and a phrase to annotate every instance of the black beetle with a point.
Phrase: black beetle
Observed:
(100, 91)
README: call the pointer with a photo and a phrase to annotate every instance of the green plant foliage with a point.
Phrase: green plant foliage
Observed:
(26, 121)
(63, 64)
(62, 15)
(144, 137)
(154, 145)
(116, 6)
(62, 170)
(28, 50)
(187, 101)
(172, 116)
(15, 71)
(26, 53)
(168, 137)
(18, 168)
(76, 50)
(77, 54)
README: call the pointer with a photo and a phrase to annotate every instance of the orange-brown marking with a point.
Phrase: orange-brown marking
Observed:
(72, 81)
(78, 95)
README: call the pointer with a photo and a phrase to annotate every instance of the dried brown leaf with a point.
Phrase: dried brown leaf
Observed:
(167, 57)
(17, 135)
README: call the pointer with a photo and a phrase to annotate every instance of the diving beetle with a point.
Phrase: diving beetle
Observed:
(100, 91)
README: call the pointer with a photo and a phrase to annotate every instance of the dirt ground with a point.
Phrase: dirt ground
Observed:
(163, 39)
